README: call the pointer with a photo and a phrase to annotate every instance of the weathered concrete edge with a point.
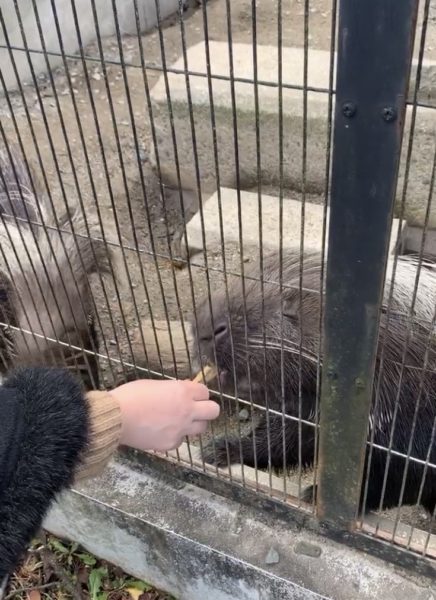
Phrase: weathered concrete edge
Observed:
(413, 237)
(194, 231)
(293, 112)
(427, 84)
(166, 532)
(167, 559)
(318, 76)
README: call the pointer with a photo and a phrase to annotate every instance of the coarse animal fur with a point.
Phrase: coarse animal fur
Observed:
(45, 274)
(416, 390)
(24, 20)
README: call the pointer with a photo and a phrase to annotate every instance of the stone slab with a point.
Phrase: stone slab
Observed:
(197, 544)
(414, 240)
(246, 116)
(266, 124)
(147, 17)
(227, 202)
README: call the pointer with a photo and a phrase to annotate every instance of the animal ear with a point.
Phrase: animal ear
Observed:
(294, 302)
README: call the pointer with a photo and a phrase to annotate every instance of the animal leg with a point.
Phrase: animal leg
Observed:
(260, 449)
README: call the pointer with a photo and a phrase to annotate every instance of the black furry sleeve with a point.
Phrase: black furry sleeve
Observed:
(44, 426)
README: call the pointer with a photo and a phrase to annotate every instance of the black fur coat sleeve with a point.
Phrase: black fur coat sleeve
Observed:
(44, 427)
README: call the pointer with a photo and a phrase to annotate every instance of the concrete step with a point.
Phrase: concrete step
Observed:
(226, 203)
(149, 518)
(267, 122)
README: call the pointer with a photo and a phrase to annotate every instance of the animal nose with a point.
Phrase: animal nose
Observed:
(220, 330)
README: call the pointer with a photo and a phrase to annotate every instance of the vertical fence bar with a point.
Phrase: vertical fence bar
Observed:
(375, 46)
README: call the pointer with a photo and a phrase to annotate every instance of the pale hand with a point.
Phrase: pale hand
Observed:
(157, 415)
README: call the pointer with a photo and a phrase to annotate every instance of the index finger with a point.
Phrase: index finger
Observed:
(207, 410)
(199, 391)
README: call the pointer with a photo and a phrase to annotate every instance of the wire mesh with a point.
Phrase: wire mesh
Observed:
(79, 101)
(418, 447)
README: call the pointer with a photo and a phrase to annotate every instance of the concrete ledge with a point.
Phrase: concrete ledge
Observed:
(227, 204)
(245, 103)
(268, 123)
(198, 545)
(287, 489)
(413, 240)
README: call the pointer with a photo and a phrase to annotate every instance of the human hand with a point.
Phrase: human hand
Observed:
(157, 415)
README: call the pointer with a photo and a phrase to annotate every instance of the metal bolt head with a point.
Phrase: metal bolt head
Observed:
(349, 109)
(389, 113)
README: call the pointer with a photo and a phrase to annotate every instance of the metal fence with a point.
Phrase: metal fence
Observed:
(136, 126)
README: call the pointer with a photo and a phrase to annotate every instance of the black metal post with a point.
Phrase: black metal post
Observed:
(375, 48)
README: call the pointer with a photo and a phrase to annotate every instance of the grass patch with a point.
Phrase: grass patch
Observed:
(54, 569)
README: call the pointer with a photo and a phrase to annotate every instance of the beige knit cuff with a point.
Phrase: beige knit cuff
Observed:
(105, 431)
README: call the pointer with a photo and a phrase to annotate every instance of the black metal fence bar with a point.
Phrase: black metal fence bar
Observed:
(375, 45)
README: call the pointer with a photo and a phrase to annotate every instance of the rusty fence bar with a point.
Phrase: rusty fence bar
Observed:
(375, 46)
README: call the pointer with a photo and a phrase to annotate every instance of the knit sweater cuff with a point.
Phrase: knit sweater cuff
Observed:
(105, 431)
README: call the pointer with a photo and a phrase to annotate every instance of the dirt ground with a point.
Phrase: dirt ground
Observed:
(88, 115)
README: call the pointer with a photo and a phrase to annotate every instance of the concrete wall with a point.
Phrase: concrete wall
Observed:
(197, 544)
(106, 22)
